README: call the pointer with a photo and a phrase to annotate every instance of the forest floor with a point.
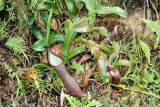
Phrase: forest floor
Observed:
(110, 48)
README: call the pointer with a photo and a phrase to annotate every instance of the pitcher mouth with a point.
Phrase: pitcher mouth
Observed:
(53, 59)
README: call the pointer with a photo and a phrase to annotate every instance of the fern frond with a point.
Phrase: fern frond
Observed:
(3, 31)
(16, 44)
(73, 101)
(8, 69)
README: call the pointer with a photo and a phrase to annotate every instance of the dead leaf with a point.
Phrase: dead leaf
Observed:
(84, 58)
(87, 75)
(57, 50)
(40, 23)
(30, 74)
(54, 24)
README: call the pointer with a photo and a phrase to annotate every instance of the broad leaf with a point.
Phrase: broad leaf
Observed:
(92, 4)
(31, 19)
(102, 64)
(71, 6)
(155, 27)
(77, 67)
(69, 35)
(36, 32)
(102, 30)
(75, 52)
(82, 25)
(146, 50)
(40, 45)
(122, 62)
(44, 17)
(1, 5)
(110, 10)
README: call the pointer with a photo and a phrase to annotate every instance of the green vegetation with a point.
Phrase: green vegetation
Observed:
(113, 64)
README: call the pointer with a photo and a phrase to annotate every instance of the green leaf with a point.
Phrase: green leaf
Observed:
(69, 35)
(57, 38)
(40, 45)
(1, 5)
(146, 50)
(94, 103)
(102, 62)
(92, 4)
(48, 26)
(110, 10)
(36, 32)
(77, 67)
(31, 19)
(73, 101)
(149, 77)
(71, 6)
(75, 52)
(105, 48)
(78, 4)
(44, 17)
(81, 25)
(102, 30)
(155, 27)
(122, 62)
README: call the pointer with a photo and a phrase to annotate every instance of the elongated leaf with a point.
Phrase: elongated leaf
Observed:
(75, 52)
(146, 50)
(102, 64)
(122, 62)
(102, 30)
(92, 4)
(81, 25)
(31, 19)
(44, 17)
(40, 44)
(58, 37)
(36, 32)
(77, 67)
(71, 6)
(1, 5)
(109, 10)
(155, 27)
(69, 35)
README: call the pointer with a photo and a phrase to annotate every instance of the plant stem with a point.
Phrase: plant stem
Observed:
(48, 26)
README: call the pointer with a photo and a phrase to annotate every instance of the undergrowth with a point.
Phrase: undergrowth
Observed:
(34, 26)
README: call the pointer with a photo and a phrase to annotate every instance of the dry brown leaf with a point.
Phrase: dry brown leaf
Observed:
(84, 58)
(87, 75)
(39, 21)
(54, 24)
(30, 74)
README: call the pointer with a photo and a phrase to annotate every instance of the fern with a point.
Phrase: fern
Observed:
(3, 32)
(86, 102)
(8, 69)
(73, 101)
(17, 44)
(1, 5)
